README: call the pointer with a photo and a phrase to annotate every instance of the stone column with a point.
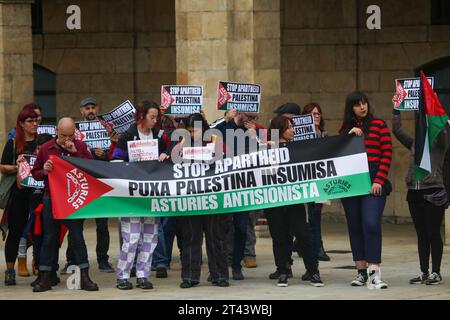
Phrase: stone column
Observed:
(16, 62)
(234, 40)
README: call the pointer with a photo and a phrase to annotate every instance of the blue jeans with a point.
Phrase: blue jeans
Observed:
(240, 221)
(50, 239)
(160, 257)
(364, 215)
(171, 229)
(314, 226)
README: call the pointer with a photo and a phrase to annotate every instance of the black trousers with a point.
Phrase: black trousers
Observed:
(281, 221)
(215, 229)
(18, 209)
(102, 242)
(427, 222)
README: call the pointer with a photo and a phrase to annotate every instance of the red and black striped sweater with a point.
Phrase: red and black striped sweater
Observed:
(379, 148)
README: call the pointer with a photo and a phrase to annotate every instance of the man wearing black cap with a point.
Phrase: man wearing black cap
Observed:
(89, 110)
(289, 110)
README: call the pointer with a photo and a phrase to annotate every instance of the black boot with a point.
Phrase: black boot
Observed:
(86, 282)
(322, 256)
(36, 281)
(44, 282)
(10, 277)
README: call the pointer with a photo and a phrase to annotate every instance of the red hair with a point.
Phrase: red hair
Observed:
(27, 111)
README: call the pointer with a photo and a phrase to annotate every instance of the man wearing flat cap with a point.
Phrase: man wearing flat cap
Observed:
(289, 110)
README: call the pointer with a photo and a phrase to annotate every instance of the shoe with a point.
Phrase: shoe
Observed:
(250, 262)
(35, 281)
(306, 276)
(360, 280)
(105, 266)
(221, 283)
(374, 280)
(64, 270)
(276, 275)
(10, 277)
(188, 284)
(44, 282)
(434, 278)
(22, 270)
(237, 274)
(161, 272)
(283, 280)
(54, 279)
(133, 272)
(420, 279)
(322, 256)
(85, 281)
(124, 284)
(143, 283)
(315, 280)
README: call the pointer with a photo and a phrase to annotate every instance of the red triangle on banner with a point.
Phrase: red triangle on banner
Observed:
(223, 97)
(166, 99)
(71, 188)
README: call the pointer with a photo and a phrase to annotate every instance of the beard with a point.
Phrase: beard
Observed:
(91, 117)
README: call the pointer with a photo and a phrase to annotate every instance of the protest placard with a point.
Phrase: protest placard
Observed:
(47, 129)
(119, 119)
(143, 150)
(24, 173)
(181, 100)
(199, 153)
(407, 93)
(304, 127)
(94, 134)
(243, 97)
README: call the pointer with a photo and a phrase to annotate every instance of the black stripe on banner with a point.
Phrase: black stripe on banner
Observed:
(299, 151)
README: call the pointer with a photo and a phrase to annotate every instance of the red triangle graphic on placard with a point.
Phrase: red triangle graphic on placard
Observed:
(223, 96)
(71, 188)
(166, 99)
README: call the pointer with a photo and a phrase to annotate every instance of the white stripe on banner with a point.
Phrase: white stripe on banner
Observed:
(345, 166)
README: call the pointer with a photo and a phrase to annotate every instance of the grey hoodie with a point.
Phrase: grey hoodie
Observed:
(439, 148)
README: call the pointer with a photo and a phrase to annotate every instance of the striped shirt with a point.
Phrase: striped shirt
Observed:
(378, 148)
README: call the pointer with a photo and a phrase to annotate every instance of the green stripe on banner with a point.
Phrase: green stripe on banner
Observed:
(228, 202)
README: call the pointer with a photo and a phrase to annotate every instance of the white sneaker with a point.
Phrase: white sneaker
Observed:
(374, 281)
(434, 278)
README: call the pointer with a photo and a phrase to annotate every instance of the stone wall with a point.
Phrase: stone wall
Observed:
(124, 50)
(321, 61)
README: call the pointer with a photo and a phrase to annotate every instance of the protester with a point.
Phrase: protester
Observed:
(364, 213)
(292, 218)
(139, 234)
(213, 226)
(315, 208)
(427, 200)
(236, 122)
(24, 142)
(89, 110)
(64, 144)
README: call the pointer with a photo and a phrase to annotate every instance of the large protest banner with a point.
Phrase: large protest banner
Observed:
(119, 119)
(94, 134)
(181, 100)
(243, 97)
(303, 171)
(407, 93)
(24, 173)
(304, 127)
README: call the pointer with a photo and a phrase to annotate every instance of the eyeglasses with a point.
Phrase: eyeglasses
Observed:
(316, 114)
(33, 120)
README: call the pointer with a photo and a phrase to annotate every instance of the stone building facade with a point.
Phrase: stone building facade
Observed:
(298, 50)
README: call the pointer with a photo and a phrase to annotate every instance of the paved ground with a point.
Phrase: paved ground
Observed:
(400, 262)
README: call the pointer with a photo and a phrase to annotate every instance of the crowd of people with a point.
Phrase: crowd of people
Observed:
(146, 243)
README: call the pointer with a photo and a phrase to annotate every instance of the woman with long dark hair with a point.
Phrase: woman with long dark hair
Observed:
(364, 213)
(24, 142)
(314, 208)
(140, 235)
(292, 218)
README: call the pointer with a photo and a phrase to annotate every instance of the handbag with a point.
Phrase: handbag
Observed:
(6, 183)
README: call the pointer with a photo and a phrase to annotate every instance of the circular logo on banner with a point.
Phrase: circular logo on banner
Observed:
(77, 188)
(337, 186)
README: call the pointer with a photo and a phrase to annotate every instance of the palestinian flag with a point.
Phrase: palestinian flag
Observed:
(301, 172)
(429, 123)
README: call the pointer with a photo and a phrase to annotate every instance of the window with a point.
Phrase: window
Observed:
(36, 17)
(440, 12)
(45, 92)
